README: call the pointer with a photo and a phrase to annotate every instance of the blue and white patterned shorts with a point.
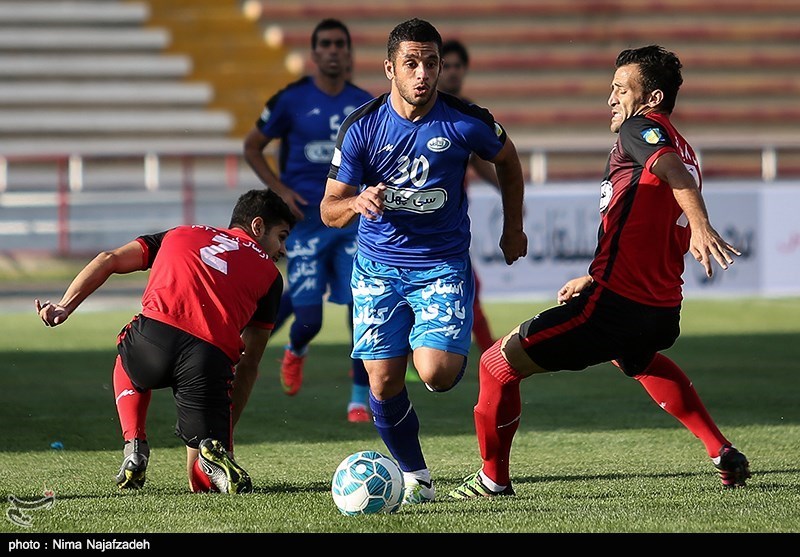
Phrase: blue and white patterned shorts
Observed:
(397, 309)
(320, 261)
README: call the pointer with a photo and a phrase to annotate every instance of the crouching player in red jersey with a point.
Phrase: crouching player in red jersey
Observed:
(627, 309)
(207, 313)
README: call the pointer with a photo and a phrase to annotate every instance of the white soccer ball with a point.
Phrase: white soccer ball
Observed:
(367, 482)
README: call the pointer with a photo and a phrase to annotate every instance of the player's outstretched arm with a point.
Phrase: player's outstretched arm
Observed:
(125, 259)
(705, 244)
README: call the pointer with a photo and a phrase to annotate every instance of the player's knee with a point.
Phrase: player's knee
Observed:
(633, 366)
(511, 350)
(442, 383)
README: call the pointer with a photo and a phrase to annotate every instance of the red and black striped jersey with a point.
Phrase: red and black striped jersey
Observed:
(643, 233)
(211, 283)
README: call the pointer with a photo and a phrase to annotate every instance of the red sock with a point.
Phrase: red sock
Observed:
(131, 404)
(480, 328)
(480, 325)
(497, 413)
(200, 481)
(668, 385)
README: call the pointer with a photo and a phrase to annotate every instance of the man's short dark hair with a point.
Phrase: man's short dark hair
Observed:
(458, 47)
(261, 203)
(325, 25)
(415, 30)
(660, 69)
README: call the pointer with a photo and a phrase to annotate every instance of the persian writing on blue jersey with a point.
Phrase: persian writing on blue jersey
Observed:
(414, 201)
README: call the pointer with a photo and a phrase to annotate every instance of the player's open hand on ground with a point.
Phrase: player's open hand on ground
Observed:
(51, 314)
(707, 244)
(514, 245)
(369, 202)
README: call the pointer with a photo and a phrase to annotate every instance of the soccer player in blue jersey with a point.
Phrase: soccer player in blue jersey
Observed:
(399, 167)
(305, 116)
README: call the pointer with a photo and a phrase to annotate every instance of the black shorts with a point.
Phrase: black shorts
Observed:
(156, 356)
(599, 326)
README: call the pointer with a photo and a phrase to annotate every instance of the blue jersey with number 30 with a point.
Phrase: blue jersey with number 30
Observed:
(423, 164)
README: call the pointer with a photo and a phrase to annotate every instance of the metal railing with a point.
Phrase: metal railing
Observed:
(146, 167)
(534, 155)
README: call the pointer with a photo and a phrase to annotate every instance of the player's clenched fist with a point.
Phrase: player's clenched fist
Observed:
(369, 202)
(51, 314)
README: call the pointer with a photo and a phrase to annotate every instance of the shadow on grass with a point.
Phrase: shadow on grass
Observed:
(744, 380)
(323, 487)
(285, 487)
(758, 474)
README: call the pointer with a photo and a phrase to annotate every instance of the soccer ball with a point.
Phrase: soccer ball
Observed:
(367, 482)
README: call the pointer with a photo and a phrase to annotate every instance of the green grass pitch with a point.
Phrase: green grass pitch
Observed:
(593, 454)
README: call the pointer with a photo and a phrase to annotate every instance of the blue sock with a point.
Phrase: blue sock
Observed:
(359, 394)
(284, 311)
(398, 426)
(307, 323)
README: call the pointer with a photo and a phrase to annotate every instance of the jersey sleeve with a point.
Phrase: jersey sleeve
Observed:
(475, 125)
(267, 310)
(275, 119)
(346, 164)
(485, 136)
(150, 243)
(644, 140)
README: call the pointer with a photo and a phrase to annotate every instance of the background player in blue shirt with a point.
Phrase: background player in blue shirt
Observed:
(399, 164)
(306, 116)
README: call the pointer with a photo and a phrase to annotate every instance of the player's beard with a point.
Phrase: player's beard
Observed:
(410, 96)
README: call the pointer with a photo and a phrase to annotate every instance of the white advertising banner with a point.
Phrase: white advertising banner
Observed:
(780, 242)
(562, 229)
(735, 214)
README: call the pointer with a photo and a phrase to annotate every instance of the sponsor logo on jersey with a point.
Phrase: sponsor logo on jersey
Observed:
(606, 191)
(265, 114)
(438, 144)
(498, 130)
(313, 112)
(388, 148)
(653, 136)
(414, 201)
(319, 151)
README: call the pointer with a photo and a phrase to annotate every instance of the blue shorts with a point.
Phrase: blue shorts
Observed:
(319, 261)
(397, 309)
